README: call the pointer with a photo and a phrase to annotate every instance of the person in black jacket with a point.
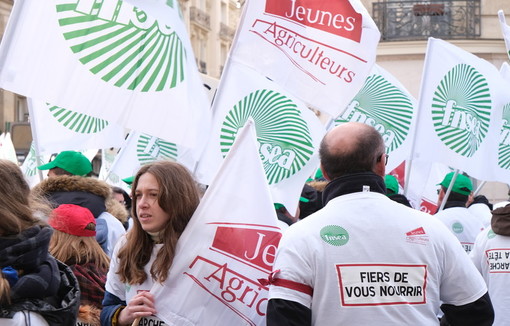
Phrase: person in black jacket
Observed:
(33, 284)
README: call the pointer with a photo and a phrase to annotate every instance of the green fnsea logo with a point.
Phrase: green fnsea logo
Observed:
(122, 45)
(334, 235)
(77, 122)
(285, 143)
(383, 106)
(150, 149)
(504, 140)
(457, 227)
(461, 108)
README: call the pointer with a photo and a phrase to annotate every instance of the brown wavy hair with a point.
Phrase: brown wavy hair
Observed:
(18, 207)
(71, 249)
(18, 210)
(179, 197)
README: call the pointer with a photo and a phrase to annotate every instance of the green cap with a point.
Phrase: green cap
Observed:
(462, 185)
(278, 206)
(391, 184)
(129, 180)
(73, 162)
(318, 174)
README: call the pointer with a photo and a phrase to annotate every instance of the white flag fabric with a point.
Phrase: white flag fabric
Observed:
(505, 29)
(385, 104)
(319, 51)
(423, 181)
(108, 60)
(7, 150)
(140, 149)
(502, 168)
(505, 71)
(29, 167)
(108, 156)
(229, 243)
(59, 129)
(460, 109)
(288, 132)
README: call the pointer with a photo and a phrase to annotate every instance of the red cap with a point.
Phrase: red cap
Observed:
(72, 219)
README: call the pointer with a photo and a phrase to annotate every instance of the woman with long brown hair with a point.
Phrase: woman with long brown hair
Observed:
(165, 196)
(74, 243)
(35, 288)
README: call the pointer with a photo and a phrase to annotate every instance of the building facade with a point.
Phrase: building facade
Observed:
(211, 26)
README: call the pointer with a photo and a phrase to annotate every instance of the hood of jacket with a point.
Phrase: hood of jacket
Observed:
(117, 209)
(87, 192)
(500, 221)
(58, 310)
(89, 315)
(65, 183)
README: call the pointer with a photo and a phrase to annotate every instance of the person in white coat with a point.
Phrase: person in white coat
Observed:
(165, 196)
(491, 256)
(364, 259)
(455, 215)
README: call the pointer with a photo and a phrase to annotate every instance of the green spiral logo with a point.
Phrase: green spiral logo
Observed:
(504, 139)
(461, 108)
(457, 227)
(284, 138)
(150, 149)
(383, 106)
(77, 122)
(122, 45)
(334, 235)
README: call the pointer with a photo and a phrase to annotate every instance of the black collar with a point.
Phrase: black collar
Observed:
(352, 183)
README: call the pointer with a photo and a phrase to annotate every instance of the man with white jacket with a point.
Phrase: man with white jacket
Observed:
(364, 259)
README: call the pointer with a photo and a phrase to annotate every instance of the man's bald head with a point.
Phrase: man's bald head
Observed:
(350, 148)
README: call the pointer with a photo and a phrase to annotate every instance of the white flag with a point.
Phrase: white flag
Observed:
(109, 60)
(505, 29)
(140, 149)
(460, 110)
(505, 71)
(58, 129)
(385, 104)
(502, 168)
(321, 51)
(108, 156)
(7, 150)
(422, 186)
(29, 167)
(229, 243)
(288, 132)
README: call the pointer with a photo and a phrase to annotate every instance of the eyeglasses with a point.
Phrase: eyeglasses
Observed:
(386, 156)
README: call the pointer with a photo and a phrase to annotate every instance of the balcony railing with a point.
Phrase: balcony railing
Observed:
(417, 20)
(226, 32)
(200, 17)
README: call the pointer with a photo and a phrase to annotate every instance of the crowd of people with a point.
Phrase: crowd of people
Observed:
(77, 251)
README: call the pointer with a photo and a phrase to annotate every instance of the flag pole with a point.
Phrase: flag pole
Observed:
(479, 188)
